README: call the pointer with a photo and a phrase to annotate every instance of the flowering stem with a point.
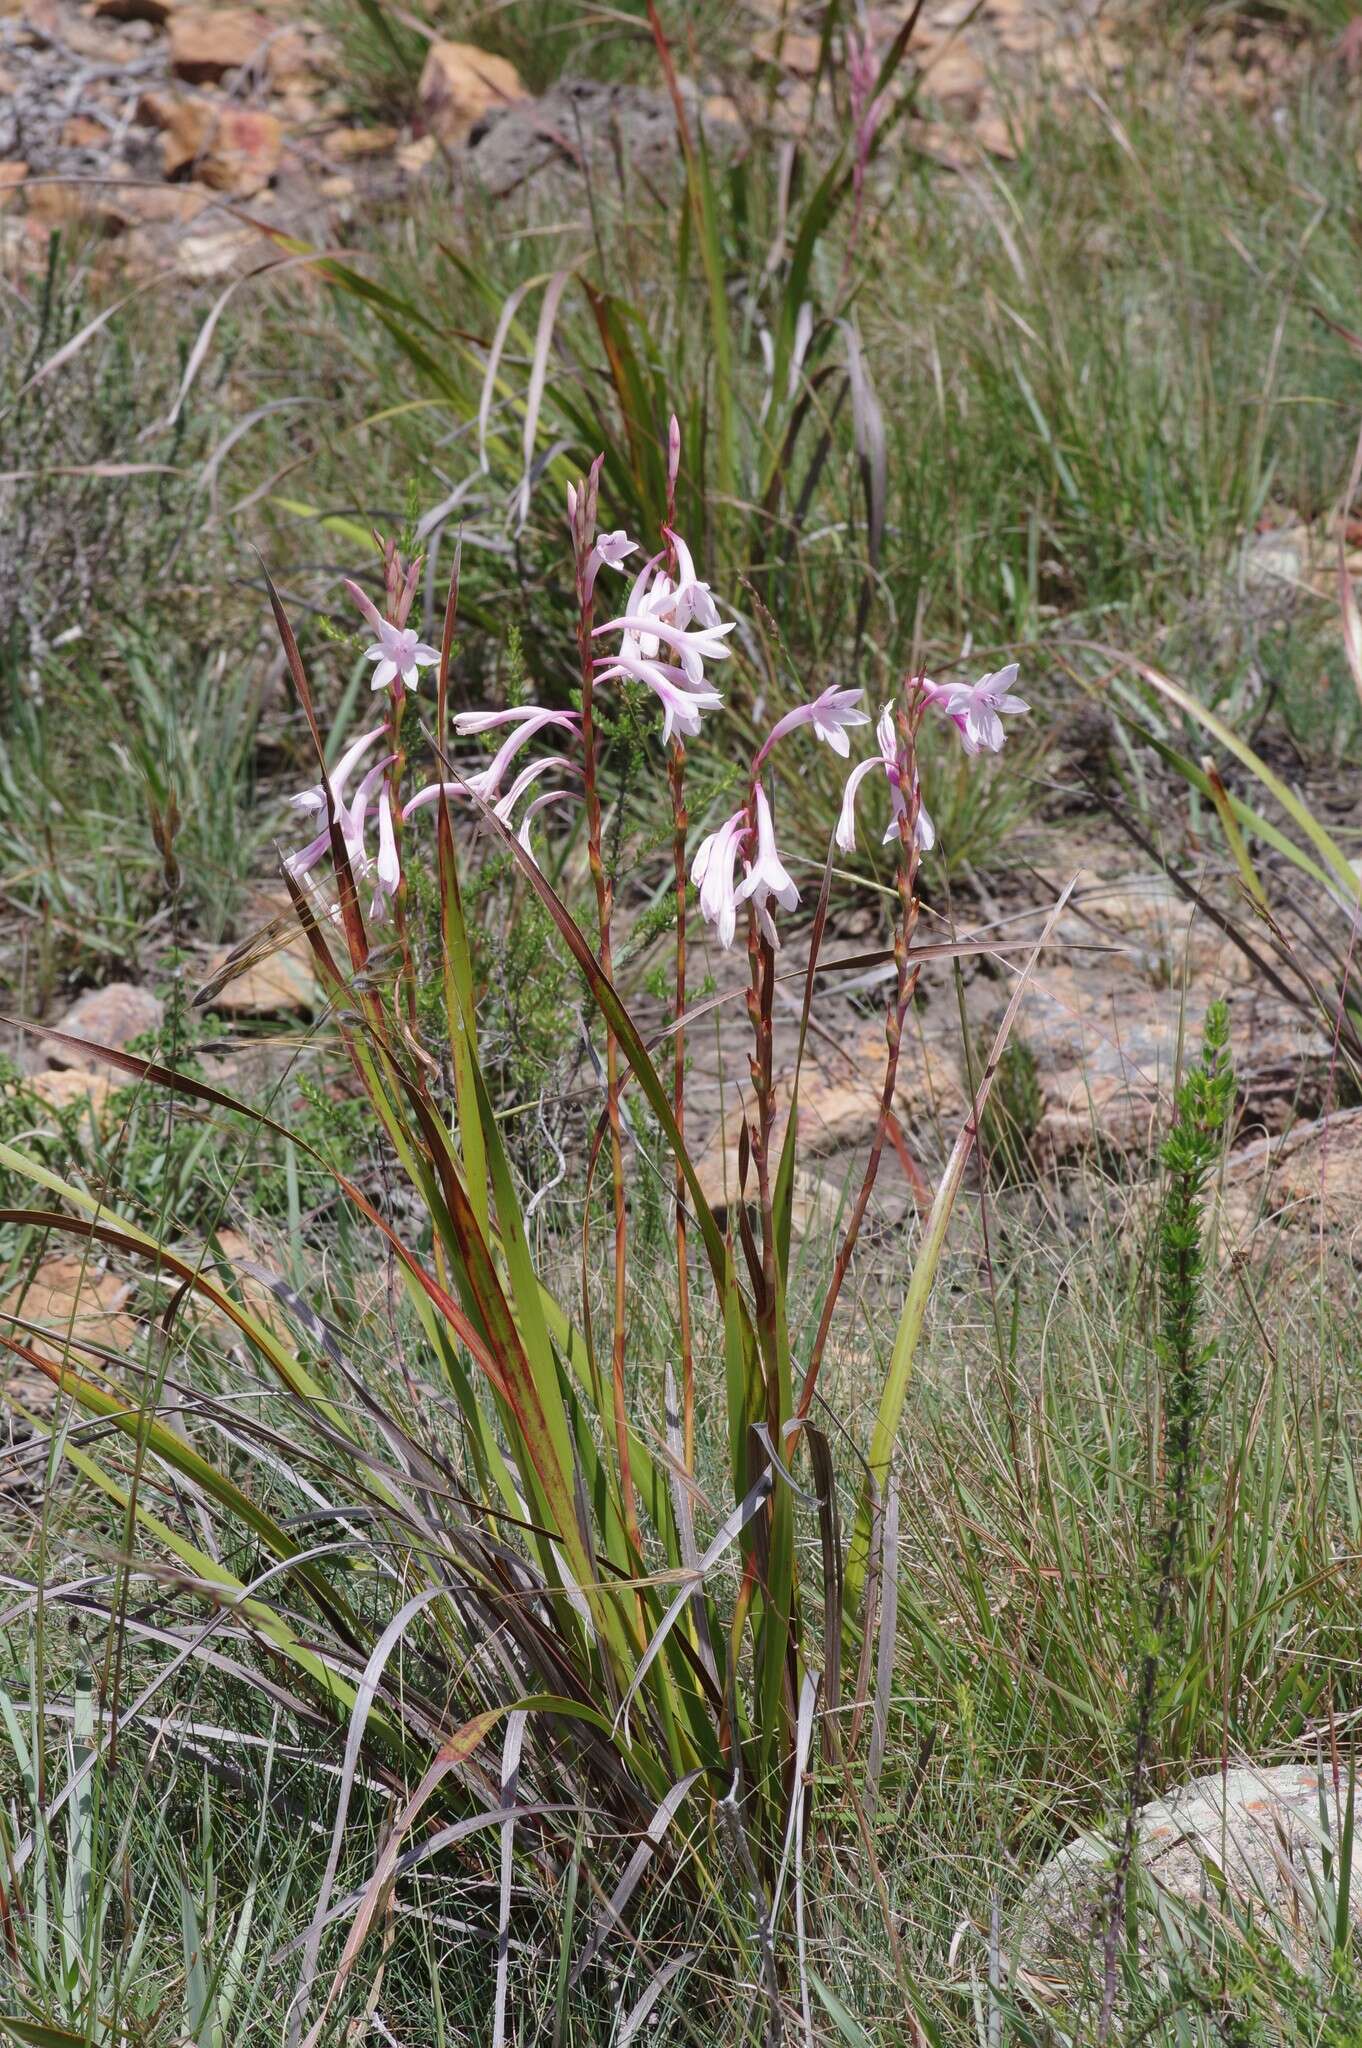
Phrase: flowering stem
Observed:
(604, 906)
(676, 777)
(760, 998)
(904, 988)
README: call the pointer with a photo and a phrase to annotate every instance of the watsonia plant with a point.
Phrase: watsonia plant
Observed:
(546, 1585)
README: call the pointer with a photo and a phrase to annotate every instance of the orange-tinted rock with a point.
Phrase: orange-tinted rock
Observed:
(347, 143)
(80, 132)
(460, 84)
(232, 149)
(109, 1016)
(71, 1088)
(208, 42)
(76, 1305)
(243, 153)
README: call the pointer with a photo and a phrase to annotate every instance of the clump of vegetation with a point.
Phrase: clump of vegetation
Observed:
(519, 1593)
(1191, 1153)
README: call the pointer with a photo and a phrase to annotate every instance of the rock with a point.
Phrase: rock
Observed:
(582, 126)
(78, 202)
(231, 149)
(459, 85)
(955, 74)
(1278, 558)
(1159, 933)
(791, 49)
(109, 1016)
(185, 126)
(344, 144)
(280, 984)
(80, 132)
(415, 157)
(77, 1303)
(1259, 1825)
(839, 1106)
(71, 1088)
(12, 175)
(156, 109)
(158, 205)
(208, 42)
(288, 61)
(199, 258)
(1310, 1179)
(244, 152)
(254, 1295)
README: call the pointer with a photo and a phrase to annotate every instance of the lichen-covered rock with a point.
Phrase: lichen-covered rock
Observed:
(1262, 1829)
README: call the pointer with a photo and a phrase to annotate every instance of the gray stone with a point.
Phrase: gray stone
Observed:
(1262, 1828)
(582, 129)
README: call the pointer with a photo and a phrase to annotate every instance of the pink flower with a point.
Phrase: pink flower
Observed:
(486, 783)
(695, 647)
(767, 880)
(466, 722)
(387, 871)
(712, 873)
(541, 803)
(610, 550)
(682, 701)
(314, 799)
(350, 819)
(693, 601)
(887, 760)
(976, 708)
(829, 714)
(397, 651)
(529, 774)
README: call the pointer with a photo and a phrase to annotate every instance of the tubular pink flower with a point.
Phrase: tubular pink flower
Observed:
(694, 600)
(830, 713)
(314, 799)
(387, 871)
(887, 760)
(977, 708)
(351, 819)
(353, 827)
(428, 795)
(704, 643)
(528, 775)
(540, 803)
(712, 873)
(397, 651)
(682, 700)
(466, 722)
(486, 783)
(941, 697)
(767, 881)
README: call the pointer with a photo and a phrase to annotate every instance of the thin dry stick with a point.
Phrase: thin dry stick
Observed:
(906, 974)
